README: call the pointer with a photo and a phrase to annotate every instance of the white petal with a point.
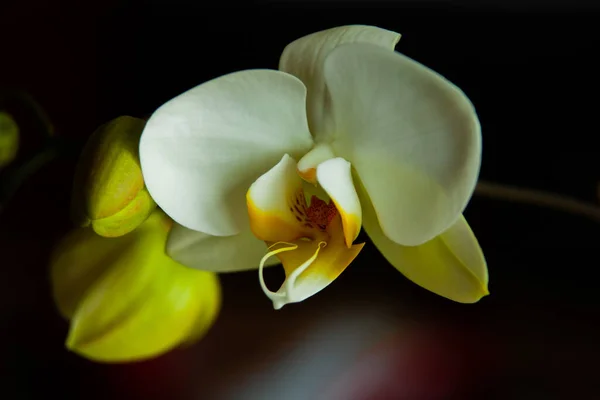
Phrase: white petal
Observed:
(335, 177)
(216, 253)
(451, 265)
(412, 136)
(305, 58)
(201, 151)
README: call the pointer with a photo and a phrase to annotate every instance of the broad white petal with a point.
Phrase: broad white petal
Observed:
(198, 250)
(451, 265)
(201, 151)
(305, 58)
(335, 177)
(412, 136)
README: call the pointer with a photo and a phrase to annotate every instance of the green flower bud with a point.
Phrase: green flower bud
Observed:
(109, 191)
(9, 139)
(126, 300)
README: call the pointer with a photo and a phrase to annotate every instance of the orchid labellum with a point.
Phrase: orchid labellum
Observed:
(260, 167)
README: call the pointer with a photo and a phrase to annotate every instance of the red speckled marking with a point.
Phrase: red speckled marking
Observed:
(321, 213)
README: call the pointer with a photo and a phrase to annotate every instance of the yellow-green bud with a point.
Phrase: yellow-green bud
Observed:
(126, 300)
(109, 191)
(9, 139)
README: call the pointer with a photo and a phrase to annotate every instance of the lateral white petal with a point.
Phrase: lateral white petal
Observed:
(198, 250)
(412, 136)
(201, 151)
(306, 56)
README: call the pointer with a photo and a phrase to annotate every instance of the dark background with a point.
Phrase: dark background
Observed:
(530, 69)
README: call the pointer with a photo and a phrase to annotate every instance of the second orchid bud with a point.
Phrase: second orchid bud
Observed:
(109, 191)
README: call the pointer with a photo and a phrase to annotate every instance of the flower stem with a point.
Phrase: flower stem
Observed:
(14, 176)
(538, 198)
(11, 183)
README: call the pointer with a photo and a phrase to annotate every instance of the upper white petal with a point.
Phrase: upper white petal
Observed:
(412, 136)
(306, 56)
(216, 253)
(201, 151)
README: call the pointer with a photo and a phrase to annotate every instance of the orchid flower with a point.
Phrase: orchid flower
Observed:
(347, 134)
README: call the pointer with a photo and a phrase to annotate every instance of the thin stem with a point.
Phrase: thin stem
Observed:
(538, 198)
(38, 111)
(11, 184)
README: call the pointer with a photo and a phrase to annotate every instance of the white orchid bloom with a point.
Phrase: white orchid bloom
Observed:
(382, 141)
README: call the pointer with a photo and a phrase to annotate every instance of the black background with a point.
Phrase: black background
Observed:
(530, 69)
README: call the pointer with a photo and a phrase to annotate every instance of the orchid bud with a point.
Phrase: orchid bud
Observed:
(109, 191)
(125, 298)
(9, 139)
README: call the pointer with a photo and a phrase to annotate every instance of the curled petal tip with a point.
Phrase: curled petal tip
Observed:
(474, 297)
(484, 292)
